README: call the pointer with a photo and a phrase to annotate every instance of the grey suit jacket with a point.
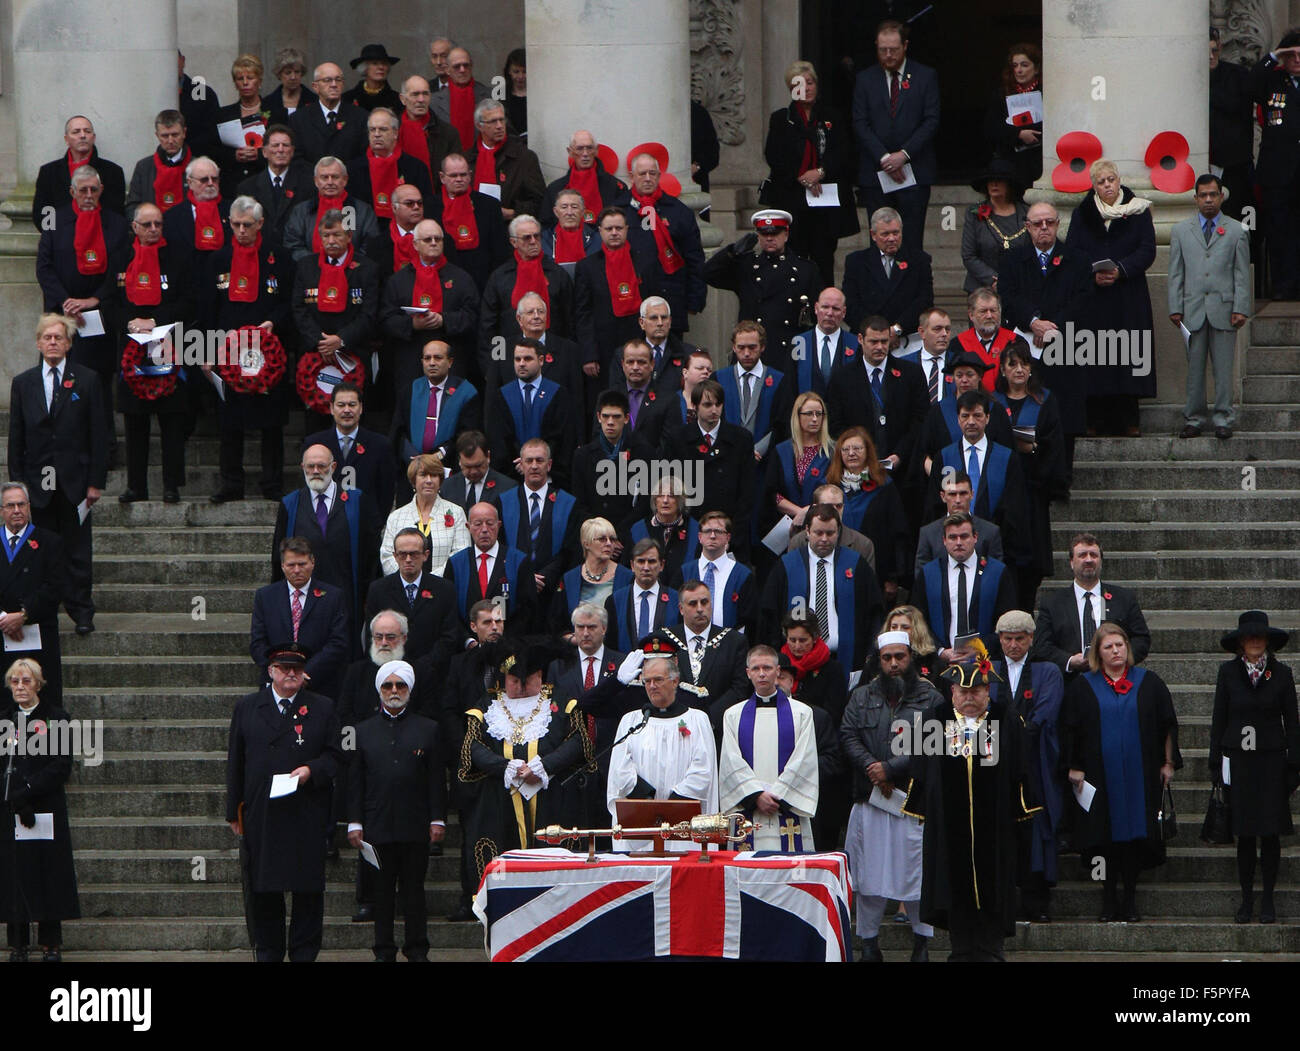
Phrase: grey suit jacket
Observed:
(929, 542)
(1209, 282)
(440, 107)
(850, 538)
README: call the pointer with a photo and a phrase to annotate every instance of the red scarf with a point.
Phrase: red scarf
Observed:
(485, 166)
(809, 662)
(669, 258)
(529, 277)
(584, 180)
(461, 103)
(403, 247)
(624, 288)
(383, 180)
(74, 165)
(208, 234)
(1021, 89)
(92, 256)
(428, 285)
(412, 141)
(568, 245)
(459, 222)
(143, 282)
(332, 292)
(244, 271)
(167, 180)
(809, 162)
(323, 205)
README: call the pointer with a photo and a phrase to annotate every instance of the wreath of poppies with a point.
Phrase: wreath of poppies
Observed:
(148, 388)
(230, 368)
(309, 367)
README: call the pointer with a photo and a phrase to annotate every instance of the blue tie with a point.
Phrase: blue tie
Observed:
(973, 469)
(708, 579)
(875, 387)
(535, 524)
(1043, 257)
(528, 406)
(643, 619)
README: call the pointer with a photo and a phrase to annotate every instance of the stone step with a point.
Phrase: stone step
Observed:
(1116, 506)
(126, 900)
(172, 735)
(191, 540)
(88, 672)
(1190, 475)
(1173, 536)
(151, 803)
(1276, 360)
(199, 834)
(161, 635)
(195, 511)
(131, 768)
(1274, 331)
(1209, 565)
(201, 481)
(1245, 447)
(1227, 595)
(144, 598)
(192, 571)
(1266, 389)
(1159, 419)
(1151, 935)
(213, 703)
(171, 867)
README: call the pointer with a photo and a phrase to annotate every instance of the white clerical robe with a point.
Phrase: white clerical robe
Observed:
(675, 753)
(796, 785)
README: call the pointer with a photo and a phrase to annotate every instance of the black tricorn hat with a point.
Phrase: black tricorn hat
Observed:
(290, 654)
(972, 673)
(1254, 622)
(521, 659)
(375, 53)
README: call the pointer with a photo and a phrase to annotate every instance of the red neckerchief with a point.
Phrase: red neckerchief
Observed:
(208, 234)
(1122, 685)
(585, 181)
(88, 240)
(568, 244)
(143, 281)
(167, 179)
(332, 292)
(245, 271)
(669, 258)
(427, 292)
(809, 162)
(485, 164)
(323, 205)
(624, 287)
(461, 104)
(403, 247)
(412, 140)
(383, 180)
(458, 220)
(809, 662)
(74, 165)
(529, 277)
(1031, 86)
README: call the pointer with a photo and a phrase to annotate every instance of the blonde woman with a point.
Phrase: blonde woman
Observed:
(799, 464)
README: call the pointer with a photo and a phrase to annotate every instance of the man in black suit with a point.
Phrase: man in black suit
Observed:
(286, 181)
(363, 459)
(79, 134)
(540, 502)
(476, 480)
(596, 483)
(721, 454)
(887, 279)
(987, 585)
(322, 627)
(1068, 616)
(428, 602)
(374, 175)
(32, 585)
(160, 178)
(561, 358)
(302, 230)
(200, 225)
(643, 607)
(327, 128)
(58, 446)
(529, 408)
(397, 248)
(711, 658)
(668, 350)
(954, 488)
(199, 104)
(609, 190)
(423, 136)
(283, 729)
(633, 363)
(668, 232)
(333, 520)
(515, 170)
(476, 233)
(896, 119)
(447, 295)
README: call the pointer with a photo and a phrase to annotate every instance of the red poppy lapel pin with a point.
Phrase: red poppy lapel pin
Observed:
(902, 264)
(344, 496)
(650, 396)
(317, 593)
(551, 498)
(451, 391)
(682, 728)
(848, 352)
(1029, 695)
(361, 449)
(33, 544)
(895, 373)
(848, 574)
(767, 380)
(735, 596)
(1056, 261)
(426, 593)
(490, 484)
(1106, 595)
(67, 384)
(448, 520)
(815, 472)
(1220, 230)
(554, 707)
(302, 710)
(611, 667)
(663, 596)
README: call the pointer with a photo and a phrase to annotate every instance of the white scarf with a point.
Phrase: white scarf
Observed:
(1120, 210)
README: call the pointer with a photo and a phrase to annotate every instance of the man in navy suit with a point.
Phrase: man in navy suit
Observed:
(428, 602)
(284, 181)
(539, 518)
(888, 279)
(668, 350)
(327, 128)
(757, 396)
(933, 355)
(530, 407)
(58, 430)
(667, 230)
(830, 342)
(32, 584)
(475, 480)
(322, 619)
(644, 606)
(490, 569)
(986, 586)
(363, 459)
(896, 119)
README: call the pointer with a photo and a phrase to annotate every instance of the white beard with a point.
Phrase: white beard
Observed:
(317, 485)
(382, 657)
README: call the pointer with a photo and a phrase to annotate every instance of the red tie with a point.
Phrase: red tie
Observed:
(893, 94)
(430, 422)
(589, 680)
(295, 610)
(708, 440)
(482, 575)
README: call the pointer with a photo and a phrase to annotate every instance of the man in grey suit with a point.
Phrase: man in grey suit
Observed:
(1209, 293)
(850, 538)
(956, 493)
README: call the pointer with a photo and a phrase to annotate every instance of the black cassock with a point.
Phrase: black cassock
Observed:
(285, 836)
(37, 878)
(499, 819)
(955, 795)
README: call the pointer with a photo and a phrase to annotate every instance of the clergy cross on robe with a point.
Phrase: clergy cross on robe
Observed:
(789, 831)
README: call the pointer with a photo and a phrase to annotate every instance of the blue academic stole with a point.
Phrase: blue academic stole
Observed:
(793, 489)
(766, 395)
(351, 511)
(988, 577)
(948, 406)
(790, 826)
(798, 586)
(1030, 409)
(528, 424)
(463, 565)
(856, 504)
(456, 392)
(994, 471)
(561, 508)
(571, 584)
(22, 539)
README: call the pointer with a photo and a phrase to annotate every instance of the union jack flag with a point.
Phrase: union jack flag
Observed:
(540, 905)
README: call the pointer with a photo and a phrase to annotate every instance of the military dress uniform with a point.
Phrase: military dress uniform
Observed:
(1278, 171)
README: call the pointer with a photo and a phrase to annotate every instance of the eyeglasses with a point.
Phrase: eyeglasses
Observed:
(329, 80)
(1042, 222)
(812, 413)
(205, 178)
(462, 65)
(153, 225)
(714, 532)
(409, 554)
(655, 680)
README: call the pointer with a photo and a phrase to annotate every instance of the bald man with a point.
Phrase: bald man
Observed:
(603, 190)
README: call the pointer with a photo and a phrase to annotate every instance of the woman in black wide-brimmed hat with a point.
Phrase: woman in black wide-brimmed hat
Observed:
(993, 225)
(1255, 751)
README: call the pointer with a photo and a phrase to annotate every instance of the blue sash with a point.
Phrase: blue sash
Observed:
(791, 488)
(797, 585)
(995, 471)
(984, 599)
(528, 425)
(560, 511)
(456, 392)
(1029, 409)
(462, 565)
(856, 504)
(22, 539)
(351, 511)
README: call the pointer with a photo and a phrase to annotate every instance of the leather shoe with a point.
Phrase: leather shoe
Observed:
(85, 627)
(130, 496)
(225, 496)
(461, 915)
(364, 914)
(1190, 431)
(52, 955)
(435, 850)
(171, 496)
(1243, 913)
(871, 951)
(18, 955)
(1223, 432)
(1267, 914)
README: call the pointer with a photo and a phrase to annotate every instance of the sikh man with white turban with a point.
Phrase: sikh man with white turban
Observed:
(397, 805)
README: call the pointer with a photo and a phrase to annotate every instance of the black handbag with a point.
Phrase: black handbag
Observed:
(1166, 817)
(1217, 827)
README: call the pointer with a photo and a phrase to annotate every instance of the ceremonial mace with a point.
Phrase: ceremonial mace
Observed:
(703, 828)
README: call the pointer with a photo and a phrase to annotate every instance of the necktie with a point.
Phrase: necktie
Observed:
(345, 447)
(826, 357)
(875, 386)
(973, 469)
(410, 595)
(482, 574)
(1043, 257)
(430, 422)
(889, 266)
(987, 344)
(322, 514)
(1209, 229)
(13, 543)
(643, 618)
(528, 400)
(893, 93)
(1089, 620)
(708, 440)
(963, 616)
(822, 615)
(534, 524)
(932, 384)
(659, 358)
(589, 680)
(709, 580)
(295, 611)
(634, 403)
(54, 386)
(329, 118)
(697, 656)
(276, 181)
(746, 396)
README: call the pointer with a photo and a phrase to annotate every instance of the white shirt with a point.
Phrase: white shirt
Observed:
(952, 593)
(62, 369)
(1097, 608)
(1014, 671)
(175, 157)
(873, 369)
(280, 702)
(340, 435)
(637, 592)
(583, 658)
(713, 434)
(330, 492)
(981, 448)
(721, 571)
(325, 111)
(828, 615)
(929, 361)
(535, 383)
(305, 589)
(541, 493)
(491, 561)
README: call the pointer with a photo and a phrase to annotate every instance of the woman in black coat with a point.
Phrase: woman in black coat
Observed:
(1113, 224)
(807, 145)
(1255, 742)
(1119, 734)
(1021, 143)
(38, 881)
